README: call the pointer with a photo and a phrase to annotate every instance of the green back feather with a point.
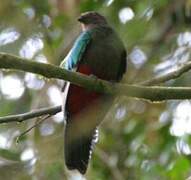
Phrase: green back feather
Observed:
(74, 56)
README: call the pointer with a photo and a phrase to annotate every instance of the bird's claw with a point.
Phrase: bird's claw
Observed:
(93, 76)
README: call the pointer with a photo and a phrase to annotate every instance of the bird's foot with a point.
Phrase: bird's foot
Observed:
(93, 76)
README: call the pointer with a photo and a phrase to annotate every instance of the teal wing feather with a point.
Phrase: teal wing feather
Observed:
(74, 56)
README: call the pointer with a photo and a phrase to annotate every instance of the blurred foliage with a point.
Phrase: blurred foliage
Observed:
(138, 139)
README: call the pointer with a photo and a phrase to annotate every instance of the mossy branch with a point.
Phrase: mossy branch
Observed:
(152, 93)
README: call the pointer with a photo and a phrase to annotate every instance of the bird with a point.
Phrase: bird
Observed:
(97, 52)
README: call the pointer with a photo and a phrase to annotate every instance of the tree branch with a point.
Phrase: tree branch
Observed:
(172, 75)
(150, 93)
(117, 175)
(29, 115)
(50, 71)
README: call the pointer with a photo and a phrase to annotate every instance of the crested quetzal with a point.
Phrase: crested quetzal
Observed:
(99, 52)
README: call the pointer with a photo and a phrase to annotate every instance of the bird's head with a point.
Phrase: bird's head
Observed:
(91, 19)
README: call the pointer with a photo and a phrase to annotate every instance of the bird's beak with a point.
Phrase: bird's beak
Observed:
(80, 19)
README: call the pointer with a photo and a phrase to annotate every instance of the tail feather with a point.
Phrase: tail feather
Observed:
(78, 152)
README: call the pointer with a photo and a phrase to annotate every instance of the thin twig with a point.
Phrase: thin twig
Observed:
(41, 120)
(172, 75)
(29, 115)
(113, 168)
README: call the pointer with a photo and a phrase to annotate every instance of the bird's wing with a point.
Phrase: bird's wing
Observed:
(71, 61)
(74, 56)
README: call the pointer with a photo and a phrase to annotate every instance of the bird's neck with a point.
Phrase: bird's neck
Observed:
(88, 27)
